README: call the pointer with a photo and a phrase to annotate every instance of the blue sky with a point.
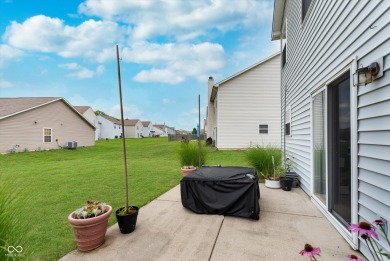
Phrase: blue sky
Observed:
(168, 50)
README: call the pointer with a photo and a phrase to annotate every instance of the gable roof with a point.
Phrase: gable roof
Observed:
(112, 119)
(132, 122)
(145, 123)
(13, 106)
(159, 126)
(216, 86)
(82, 109)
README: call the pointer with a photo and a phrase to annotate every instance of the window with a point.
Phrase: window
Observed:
(263, 128)
(305, 8)
(284, 42)
(47, 133)
(287, 122)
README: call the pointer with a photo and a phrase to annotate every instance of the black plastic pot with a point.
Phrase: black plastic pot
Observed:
(127, 222)
(294, 176)
(286, 183)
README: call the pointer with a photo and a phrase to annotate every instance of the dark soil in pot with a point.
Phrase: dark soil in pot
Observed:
(127, 221)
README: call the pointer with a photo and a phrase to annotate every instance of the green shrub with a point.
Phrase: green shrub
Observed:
(188, 154)
(261, 159)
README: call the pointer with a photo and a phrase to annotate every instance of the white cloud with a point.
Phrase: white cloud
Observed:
(195, 111)
(90, 40)
(166, 101)
(8, 53)
(182, 19)
(130, 111)
(174, 63)
(81, 72)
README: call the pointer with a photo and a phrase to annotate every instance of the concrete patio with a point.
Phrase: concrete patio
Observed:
(167, 231)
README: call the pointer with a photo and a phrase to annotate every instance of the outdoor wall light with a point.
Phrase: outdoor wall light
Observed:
(363, 76)
(366, 75)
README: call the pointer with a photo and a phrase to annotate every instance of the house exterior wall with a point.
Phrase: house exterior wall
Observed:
(337, 36)
(91, 117)
(108, 129)
(156, 131)
(134, 131)
(170, 130)
(146, 130)
(65, 123)
(210, 121)
(244, 102)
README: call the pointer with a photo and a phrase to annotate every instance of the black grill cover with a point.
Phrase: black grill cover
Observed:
(231, 191)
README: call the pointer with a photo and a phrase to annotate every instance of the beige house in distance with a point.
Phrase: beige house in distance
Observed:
(133, 128)
(244, 109)
(41, 124)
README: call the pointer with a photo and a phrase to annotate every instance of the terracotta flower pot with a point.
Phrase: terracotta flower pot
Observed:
(187, 171)
(90, 232)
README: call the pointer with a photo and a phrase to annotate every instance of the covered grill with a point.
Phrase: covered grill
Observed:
(230, 191)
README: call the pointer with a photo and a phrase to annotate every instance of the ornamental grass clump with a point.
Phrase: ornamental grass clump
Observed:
(189, 154)
(92, 209)
(266, 160)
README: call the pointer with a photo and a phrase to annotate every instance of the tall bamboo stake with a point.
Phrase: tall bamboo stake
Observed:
(123, 129)
(199, 145)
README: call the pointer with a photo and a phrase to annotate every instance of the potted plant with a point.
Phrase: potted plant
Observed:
(90, 224)
(189, 156)
(267, 161)
(290, 173)
(127, 215)
(285, 181)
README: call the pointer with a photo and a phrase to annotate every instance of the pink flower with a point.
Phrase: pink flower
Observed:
(354, 258)
(310, 251)
(364, 228)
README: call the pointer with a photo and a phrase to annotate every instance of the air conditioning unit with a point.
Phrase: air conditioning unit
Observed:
(72, 144)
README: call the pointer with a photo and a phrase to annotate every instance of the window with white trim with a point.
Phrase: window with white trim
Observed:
(305, 8)
(263, 128)
(47, 135)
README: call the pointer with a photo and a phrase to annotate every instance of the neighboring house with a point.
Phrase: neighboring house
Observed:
(162, 130)
(88, 113)
(133, 128)
(41, 124)
(170, 130)
(156, 131)
(336, 133)
(110, 127)
(244, 109)
(147, 126)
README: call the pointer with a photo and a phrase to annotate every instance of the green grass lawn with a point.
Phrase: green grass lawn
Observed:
(46, 186)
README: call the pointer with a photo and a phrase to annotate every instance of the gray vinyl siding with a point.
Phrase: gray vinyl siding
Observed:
(65, 123)
(244, 102)
(331, 36)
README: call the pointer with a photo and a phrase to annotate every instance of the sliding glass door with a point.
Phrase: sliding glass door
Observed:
(319, 156)
(339, 125)
(331, 119)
